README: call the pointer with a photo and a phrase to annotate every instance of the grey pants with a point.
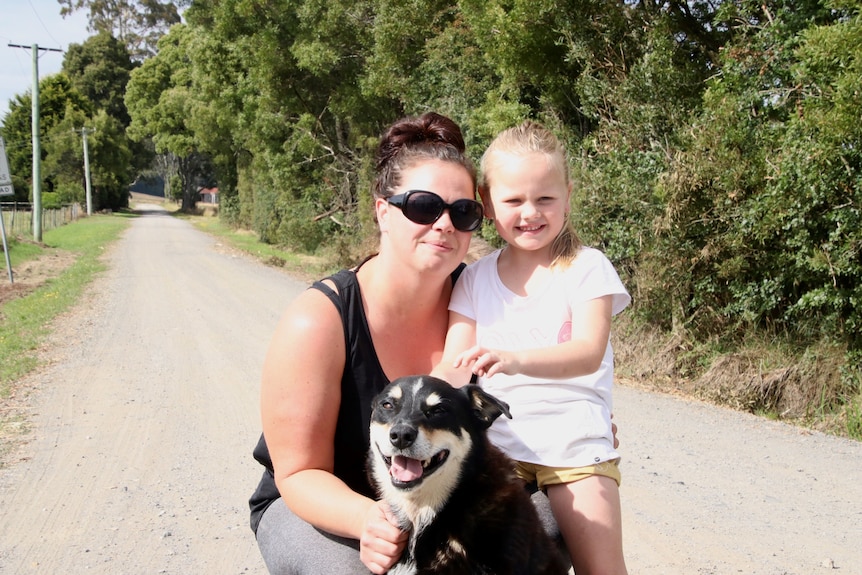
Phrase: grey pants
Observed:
(290, 546)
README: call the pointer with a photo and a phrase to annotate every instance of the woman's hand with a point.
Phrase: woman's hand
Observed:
(382, 541)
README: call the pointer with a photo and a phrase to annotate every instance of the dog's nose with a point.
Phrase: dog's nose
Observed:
(402, 436)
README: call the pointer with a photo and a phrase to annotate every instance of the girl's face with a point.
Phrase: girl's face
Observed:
(528, 198)
(438, 243)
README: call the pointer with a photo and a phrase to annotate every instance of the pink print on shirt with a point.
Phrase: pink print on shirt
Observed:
(565, 333)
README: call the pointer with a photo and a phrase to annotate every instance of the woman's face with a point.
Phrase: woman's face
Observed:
(438, 244)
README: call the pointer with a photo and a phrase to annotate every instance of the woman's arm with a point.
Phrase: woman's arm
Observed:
(300, 400)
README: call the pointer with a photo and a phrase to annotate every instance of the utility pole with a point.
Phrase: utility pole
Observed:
(37, 152)
(84, 132)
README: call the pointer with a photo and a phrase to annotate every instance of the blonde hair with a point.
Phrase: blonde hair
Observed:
(533, 138)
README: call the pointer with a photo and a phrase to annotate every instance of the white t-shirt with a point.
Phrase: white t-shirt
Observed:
(560, 422)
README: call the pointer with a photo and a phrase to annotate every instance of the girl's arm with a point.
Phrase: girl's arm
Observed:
(300, 400)
(581, 355)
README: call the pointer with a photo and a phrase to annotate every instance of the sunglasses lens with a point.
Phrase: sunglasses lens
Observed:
(466, 215)
(423, 208)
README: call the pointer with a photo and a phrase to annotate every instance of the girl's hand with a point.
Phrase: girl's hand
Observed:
(486, 362)
(382, 541)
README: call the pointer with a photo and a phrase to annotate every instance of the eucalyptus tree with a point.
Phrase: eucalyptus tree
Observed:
(137, 24)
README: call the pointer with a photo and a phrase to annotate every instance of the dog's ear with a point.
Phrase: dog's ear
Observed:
(485, 406)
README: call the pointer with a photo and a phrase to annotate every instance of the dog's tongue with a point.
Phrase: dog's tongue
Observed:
(405, 469)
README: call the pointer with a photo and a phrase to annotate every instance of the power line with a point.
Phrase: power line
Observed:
(39, 18)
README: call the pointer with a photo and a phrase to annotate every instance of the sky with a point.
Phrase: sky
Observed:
(28, 22)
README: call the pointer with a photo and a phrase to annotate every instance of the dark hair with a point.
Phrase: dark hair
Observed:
(411, 140)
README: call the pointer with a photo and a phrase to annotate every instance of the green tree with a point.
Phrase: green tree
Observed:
(748, 232)
(56, 97)
(288, 88)
(109, 159)
(99, 69)
(556, 58)
(64, 157)
(161, 101)
(813, 199)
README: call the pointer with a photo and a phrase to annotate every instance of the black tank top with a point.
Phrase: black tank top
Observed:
(362, 380)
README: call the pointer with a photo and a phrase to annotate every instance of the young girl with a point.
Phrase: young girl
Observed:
(533, 320)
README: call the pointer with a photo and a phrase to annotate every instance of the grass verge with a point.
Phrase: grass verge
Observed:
(19, 252)
(25, 321)
(307, 267)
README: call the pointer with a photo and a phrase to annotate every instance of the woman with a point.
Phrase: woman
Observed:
(342, 341)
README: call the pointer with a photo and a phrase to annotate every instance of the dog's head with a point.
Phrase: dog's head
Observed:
(423, 429)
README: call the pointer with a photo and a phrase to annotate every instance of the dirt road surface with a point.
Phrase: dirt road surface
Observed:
(139, 458)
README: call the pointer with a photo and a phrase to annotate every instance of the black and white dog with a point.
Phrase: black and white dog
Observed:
(466, 510)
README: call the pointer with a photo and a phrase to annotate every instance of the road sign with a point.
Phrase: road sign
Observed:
(5, 176)
(5, 190)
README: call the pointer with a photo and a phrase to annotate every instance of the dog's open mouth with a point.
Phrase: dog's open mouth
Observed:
(406, 471)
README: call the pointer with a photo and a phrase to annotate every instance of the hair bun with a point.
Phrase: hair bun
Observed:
(428, 129)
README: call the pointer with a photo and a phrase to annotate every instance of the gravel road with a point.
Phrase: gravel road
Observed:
(139, 459)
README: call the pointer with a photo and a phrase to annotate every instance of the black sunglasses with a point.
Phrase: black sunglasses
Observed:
(425, 208)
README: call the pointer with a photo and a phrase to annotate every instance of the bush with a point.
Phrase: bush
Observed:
(51, 201)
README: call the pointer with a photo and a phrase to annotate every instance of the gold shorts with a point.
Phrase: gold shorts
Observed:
(543, 475)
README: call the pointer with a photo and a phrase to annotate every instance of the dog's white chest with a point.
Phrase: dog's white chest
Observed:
(408, 568)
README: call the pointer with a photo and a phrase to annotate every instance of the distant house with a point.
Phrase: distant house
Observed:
(208, 195)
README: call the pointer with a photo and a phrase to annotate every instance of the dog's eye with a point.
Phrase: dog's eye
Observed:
(386, 404)
(434, 411)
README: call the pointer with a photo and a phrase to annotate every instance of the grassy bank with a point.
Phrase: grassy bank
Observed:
(806, 384)
(307, 267)
(25, 320)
